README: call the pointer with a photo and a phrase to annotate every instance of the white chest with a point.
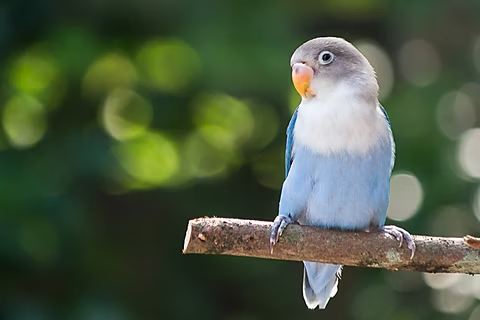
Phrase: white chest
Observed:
(338, 123)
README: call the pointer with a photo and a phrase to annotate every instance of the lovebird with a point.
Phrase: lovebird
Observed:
(339, 155)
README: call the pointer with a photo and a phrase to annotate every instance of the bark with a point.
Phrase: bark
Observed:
(250, 238)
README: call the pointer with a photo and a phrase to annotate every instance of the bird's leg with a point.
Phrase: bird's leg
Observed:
(401, 234)
(279, 224)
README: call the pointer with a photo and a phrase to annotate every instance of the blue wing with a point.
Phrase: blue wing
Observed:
(385, 113)
(392, 163)
(289, 146)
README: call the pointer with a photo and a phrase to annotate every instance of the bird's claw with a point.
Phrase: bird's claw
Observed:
(279, 224)
(401, 234)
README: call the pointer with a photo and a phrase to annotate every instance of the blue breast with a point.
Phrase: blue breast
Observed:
(344, 190)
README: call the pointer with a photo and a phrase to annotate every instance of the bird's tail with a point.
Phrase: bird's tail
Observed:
(320, 283)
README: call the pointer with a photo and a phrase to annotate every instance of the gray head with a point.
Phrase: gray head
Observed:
(322, 64)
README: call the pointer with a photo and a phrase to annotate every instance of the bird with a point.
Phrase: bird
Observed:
(339, 155)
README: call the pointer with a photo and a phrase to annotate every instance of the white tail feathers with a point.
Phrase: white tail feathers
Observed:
(320, 283)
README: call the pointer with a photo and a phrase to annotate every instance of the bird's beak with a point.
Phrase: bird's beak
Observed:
(302, 75)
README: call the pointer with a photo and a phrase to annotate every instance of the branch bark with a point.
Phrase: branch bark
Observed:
(250, 238)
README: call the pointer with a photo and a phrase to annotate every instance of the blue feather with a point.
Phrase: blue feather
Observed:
(289, 146)
(342, 190)
(385, 113)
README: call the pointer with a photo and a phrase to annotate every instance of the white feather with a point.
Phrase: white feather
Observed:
(337, 119)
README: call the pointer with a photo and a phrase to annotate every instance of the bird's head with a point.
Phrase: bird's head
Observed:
(322, 65)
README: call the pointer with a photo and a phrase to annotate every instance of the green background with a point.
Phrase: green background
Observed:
(121, 120)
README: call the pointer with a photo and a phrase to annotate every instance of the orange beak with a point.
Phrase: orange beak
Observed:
(301, 76)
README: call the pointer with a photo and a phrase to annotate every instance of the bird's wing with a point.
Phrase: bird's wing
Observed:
(289, 146)
(392, 162)
(385, 114)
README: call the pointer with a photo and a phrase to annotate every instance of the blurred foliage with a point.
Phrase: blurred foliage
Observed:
(121, 120)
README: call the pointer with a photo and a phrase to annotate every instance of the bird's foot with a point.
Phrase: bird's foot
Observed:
(279, 224)
(401, 234)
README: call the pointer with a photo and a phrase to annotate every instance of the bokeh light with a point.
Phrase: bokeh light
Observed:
(406, 196)
(451, 221)
(266, 124)
(476, 53)
(476, 203)
(24, 121)
(168, 65)
(467, 285)
(468, 154)
(419, 62)
(472, 90)
(111, 71)
(448, 301)
(223, 121)
(36, 74)
(151, 158)
(455, 113)
(441, 280)
(453, 293)
(381, 63)
(126, 114)
(202, 159)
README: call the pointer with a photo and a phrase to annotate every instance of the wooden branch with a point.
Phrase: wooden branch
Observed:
(375, 249)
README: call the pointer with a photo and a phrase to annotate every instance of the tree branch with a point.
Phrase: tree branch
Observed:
(375, 249)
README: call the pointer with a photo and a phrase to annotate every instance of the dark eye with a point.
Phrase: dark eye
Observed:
(325, 57)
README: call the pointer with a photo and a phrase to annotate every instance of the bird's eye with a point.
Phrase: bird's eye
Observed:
(325, 57)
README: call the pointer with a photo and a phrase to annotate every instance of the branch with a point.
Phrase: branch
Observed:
(375, 249)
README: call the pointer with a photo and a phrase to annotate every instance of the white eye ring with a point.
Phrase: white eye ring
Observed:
(326, 57)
